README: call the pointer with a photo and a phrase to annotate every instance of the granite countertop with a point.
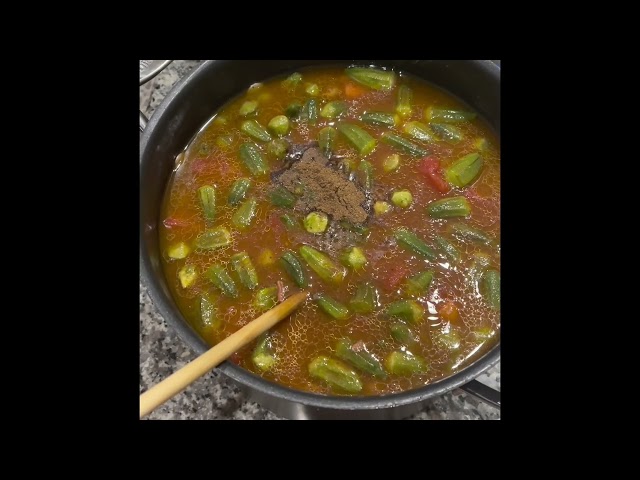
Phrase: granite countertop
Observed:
(213, 396)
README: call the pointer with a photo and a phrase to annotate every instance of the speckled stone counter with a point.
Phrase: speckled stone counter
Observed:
(213, 397)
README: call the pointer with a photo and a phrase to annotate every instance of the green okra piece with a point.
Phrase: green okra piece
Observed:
(266, 298)
(263, 355)
(359, 138)
(316, 222)
(365, 299)
(248, 108)
(245, 270)
(238, 191)
(293, 110)
(448, 133)
(449, 207)
(209, 318)
(187, 275)
(179, 251)
(466, 233)
(312, 89)
(281, 197)
(255, 130)
(294, 268)
(334, 109)
(291, 82)
(279, 125)
(353, 257)
(418, 285)
(443, 115)
(207, 196)
(450, 340)
(449, 250)
(335, 373)
(310, 111)
(326, 140)
(372, 77)
(278, 148)
(252, 157)
(403, 105)
(355, 228)
(358, 356)
(464, 170)
(403, 334)
(323, 265)
(222, 280)
(405, 363)
(364, 173)
(490, 288)
(419, 131)
(213, 238)
(407, 310)
(381, 119)
(288, 221)
(403, 144)
(245, 213)
(411, 241)
(332, 307)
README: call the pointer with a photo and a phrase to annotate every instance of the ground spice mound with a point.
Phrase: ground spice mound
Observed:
(324, 189)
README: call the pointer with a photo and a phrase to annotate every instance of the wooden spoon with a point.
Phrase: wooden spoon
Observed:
(181, 379)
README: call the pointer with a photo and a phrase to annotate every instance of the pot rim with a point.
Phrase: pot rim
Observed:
(251, 380)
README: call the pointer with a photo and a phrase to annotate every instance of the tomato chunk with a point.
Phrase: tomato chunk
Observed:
(430, 168)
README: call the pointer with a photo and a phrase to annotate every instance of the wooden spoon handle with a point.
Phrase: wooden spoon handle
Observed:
(181, 379)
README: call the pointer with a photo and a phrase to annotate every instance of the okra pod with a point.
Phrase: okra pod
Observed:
(407, 310)
(365, 176)
(209, 319)
(403, 105)
(381, 119)
(490, 288)
(255, 130)
(207, 196)
(403, 334)
(179, 251)
(187, 275)
(279, 125)
(443, 115)
(465, 170)
(266, 298)
(222, 280)
(449, 251)
(335, 373)
(402, 198)
(291, 82)
(449, 207)
(323, 265)
(359, 138)
(310, 111)
(391, 162)
(288, 221)
(293, 110)
(332, 307)
(418, 285)
(278, 148)
(213, 238)
(448, 133)
(403, 144)
(245, 270)
(248, 108)
(334, 109)
(353, 257)
(326, 140)
(365, 300)
(419, 131)
(372, 77)
(411, 241)
(294, 268)
(252, 157)
(263, 356)
(238, 191)
(312, 89)
(358, 356)
(244, 214)
(282, 197)
(355, 228)
(316, 222)
(405, 363)
(466, 233)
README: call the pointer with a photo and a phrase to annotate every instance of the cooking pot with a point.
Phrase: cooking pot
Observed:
(174, 124)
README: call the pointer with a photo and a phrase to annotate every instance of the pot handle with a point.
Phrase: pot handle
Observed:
(484, 393)
(148, 70)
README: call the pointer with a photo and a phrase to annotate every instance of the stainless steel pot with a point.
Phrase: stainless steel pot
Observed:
(174, 123)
